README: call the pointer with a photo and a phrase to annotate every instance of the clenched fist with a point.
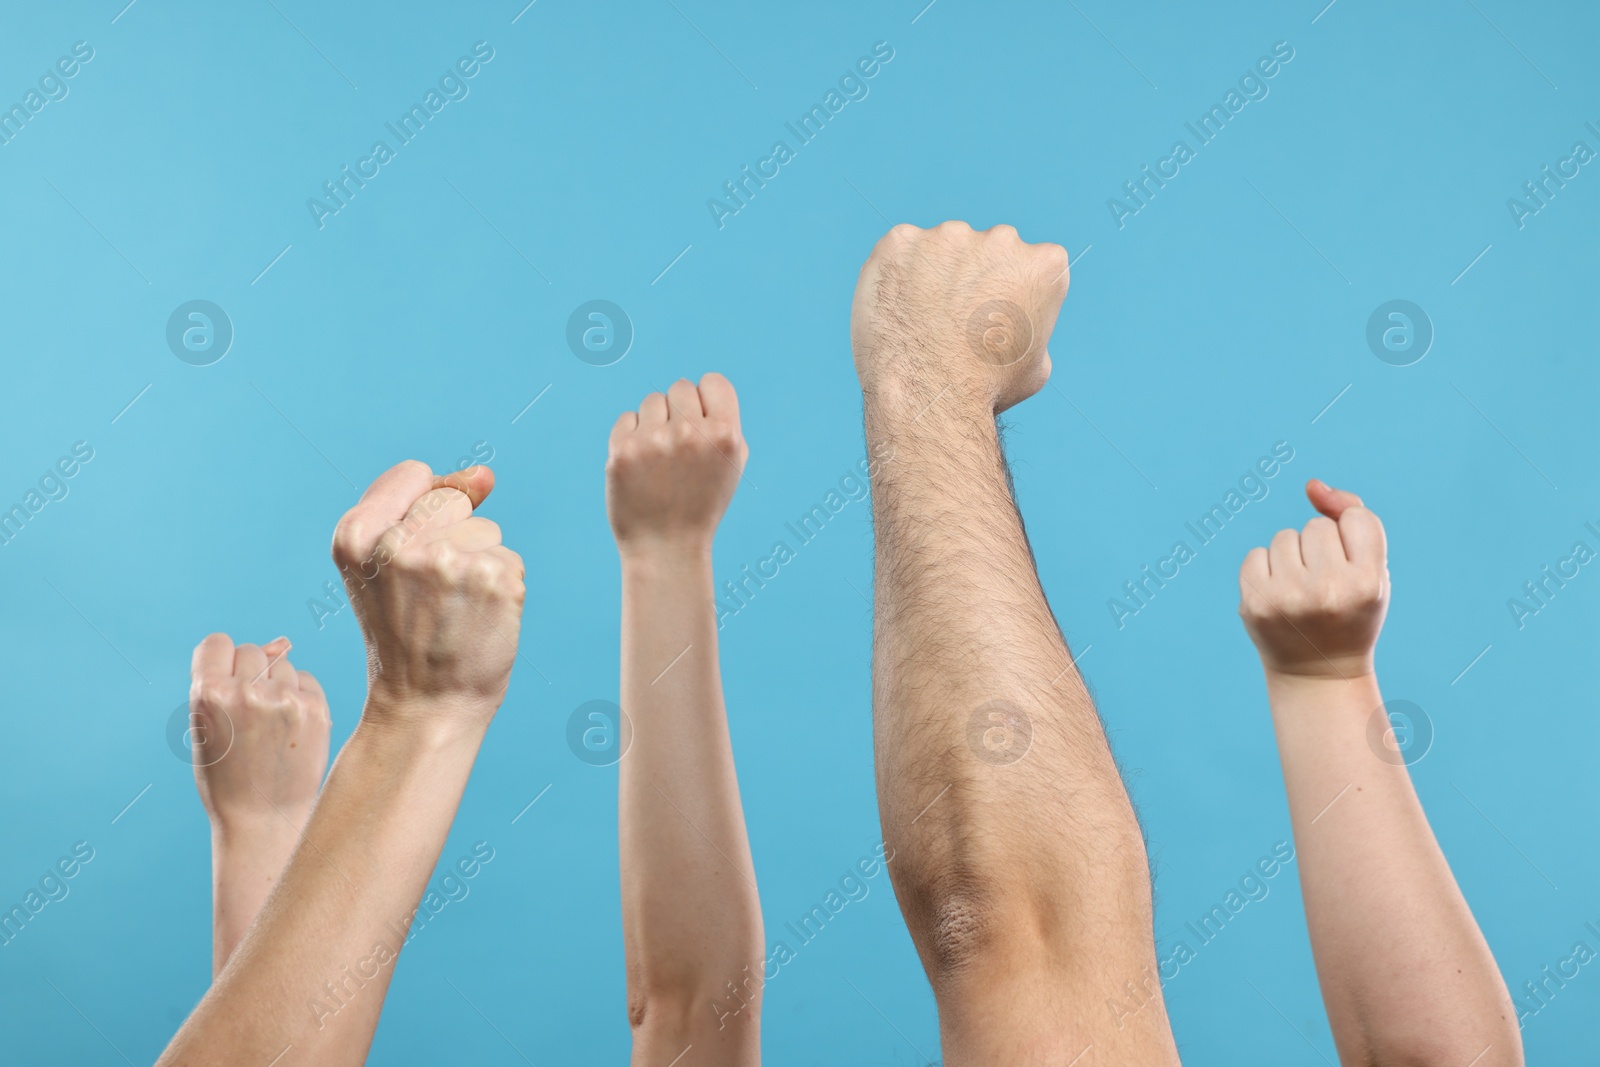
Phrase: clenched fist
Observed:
(1315, 601)
(260, 730)
(673, 467)
(953, 308)
(439, 598)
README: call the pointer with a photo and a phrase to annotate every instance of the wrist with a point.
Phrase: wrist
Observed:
(899, 399)
(422, 726)
(653, 556)
(1336, 668)
(248, 831)
(1298, 698)
(1279, 678)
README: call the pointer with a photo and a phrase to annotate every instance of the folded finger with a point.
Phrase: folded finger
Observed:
(249, 662)
(653, 410)
(435, 510)
(1320, 544)
(476, 483)
(279, 669)
(719, 399)
(1283, 555)
(312, 689)
(393, 492)
(626, 423)
(213, 657)
(683, 401)
(513, 561)
(470, 535)
(1363, 536)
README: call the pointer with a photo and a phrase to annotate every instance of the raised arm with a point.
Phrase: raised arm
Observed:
(260, 732)
(691, 918)
(1016, 856)
(1406, 975)
(440, 604)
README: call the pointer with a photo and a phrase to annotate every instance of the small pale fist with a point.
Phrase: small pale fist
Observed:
(1314, 601)
(954, 308)
(260, 733)
(439, 598)
(673, 467)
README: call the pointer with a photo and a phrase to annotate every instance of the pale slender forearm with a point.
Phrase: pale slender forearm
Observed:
(1406, 974)
(246, 861)
(311, 973)
(691, 914)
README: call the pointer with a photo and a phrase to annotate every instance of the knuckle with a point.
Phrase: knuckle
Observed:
(441, 556)
(483, 573)
(657, 444)
(1328, 601)
(725, 435)
(209, 694)
(349, 536)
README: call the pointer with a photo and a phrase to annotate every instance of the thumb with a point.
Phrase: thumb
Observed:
(1328, 500)
(476, 482)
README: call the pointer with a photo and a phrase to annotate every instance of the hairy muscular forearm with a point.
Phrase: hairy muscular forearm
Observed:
(961, 622)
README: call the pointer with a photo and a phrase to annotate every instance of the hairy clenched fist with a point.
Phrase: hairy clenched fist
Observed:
(260, 731)
(674, 465)
(1315, 601)
(438, 596)
(954, 308)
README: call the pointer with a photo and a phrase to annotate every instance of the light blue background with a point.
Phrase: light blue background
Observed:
(1221, 319)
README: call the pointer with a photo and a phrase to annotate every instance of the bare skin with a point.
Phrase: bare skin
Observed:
(691, 914)
(1018, 862)
(439, 600)
(1406, 975)
(261, 730)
